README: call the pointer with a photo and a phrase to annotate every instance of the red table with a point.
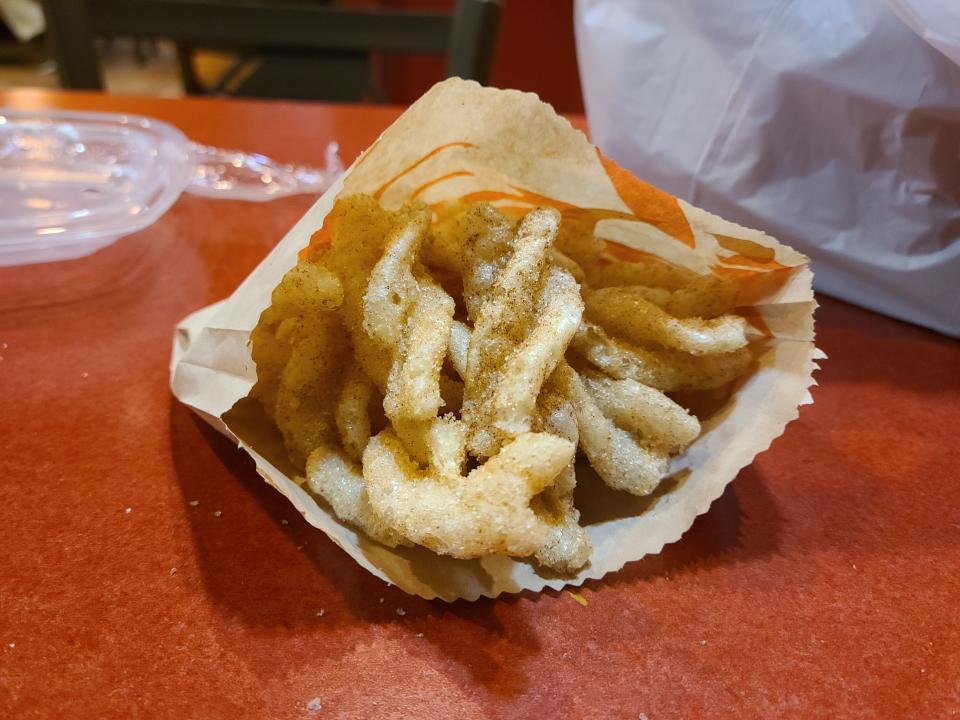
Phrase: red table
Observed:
(146, 570)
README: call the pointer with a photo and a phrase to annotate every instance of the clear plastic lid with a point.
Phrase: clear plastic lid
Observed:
(71, 183)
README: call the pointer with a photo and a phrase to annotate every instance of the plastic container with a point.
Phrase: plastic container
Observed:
(72, 183)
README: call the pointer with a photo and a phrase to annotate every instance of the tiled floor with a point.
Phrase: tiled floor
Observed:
(155, 73)
(23, 76)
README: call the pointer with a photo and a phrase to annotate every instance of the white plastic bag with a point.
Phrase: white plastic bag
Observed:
(936, 21)
(829, 123)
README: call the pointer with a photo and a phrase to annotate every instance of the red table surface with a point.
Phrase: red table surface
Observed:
(148, 572)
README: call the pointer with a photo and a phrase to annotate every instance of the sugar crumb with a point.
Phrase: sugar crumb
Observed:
(643, 716)
(299, 547)
(419, 634)
(11, 645)
(128, 510)
(284, 522)
(217, 513)
(321, 612)
(703, 642)
(193, 503)
(401, 612)
(84, 376)
(3, 346)
(381, 599)
(314, 705)
(173, 571)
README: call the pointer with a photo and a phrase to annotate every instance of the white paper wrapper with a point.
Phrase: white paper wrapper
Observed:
(459, 140)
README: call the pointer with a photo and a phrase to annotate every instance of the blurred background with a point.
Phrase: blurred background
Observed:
(383, 51)
(833, 124)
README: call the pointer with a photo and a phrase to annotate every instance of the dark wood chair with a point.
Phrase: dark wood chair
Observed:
(310, 49)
